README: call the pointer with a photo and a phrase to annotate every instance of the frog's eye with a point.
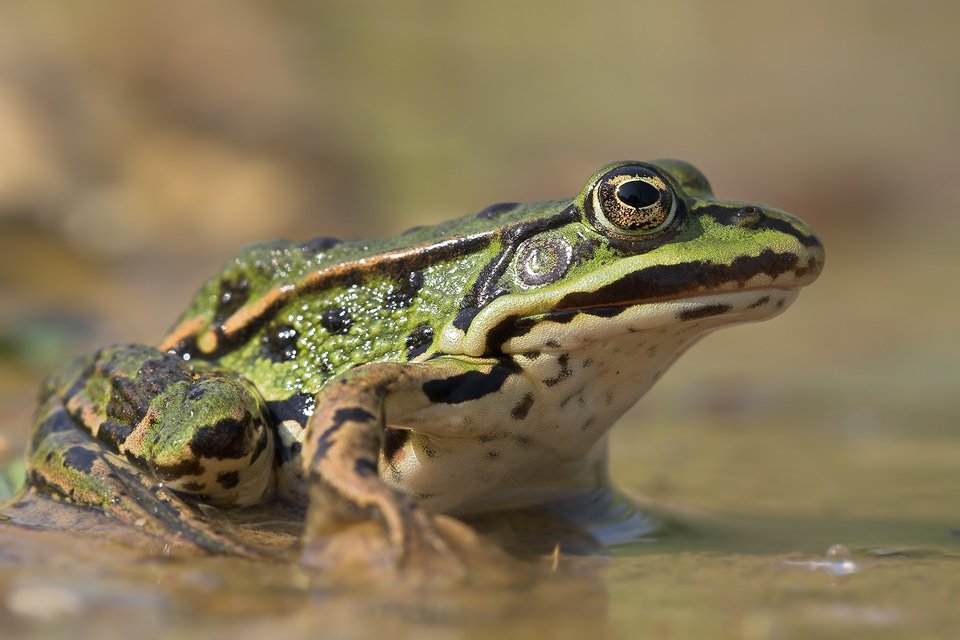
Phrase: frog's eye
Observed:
(633, 201)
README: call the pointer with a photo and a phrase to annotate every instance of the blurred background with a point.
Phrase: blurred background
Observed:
(141, 144)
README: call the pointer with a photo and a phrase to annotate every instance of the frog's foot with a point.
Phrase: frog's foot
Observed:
(337, 502)
(419, 546)
(70, 465)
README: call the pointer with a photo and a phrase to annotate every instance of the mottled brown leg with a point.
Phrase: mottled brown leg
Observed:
(341, 452)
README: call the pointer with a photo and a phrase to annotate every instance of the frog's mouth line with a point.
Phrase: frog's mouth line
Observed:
(666, 282)
(772, 299)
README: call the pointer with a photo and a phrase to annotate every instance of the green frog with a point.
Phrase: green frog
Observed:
(462, 368)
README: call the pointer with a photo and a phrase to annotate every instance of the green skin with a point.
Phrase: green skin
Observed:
(466, 367)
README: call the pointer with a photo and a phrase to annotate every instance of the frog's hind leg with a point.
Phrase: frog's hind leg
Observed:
(67, 463)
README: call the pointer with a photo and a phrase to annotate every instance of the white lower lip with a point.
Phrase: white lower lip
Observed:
(657, 315)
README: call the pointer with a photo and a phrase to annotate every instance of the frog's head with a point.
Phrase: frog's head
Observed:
(644, 247)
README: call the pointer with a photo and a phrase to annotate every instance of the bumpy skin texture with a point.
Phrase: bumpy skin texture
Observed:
(463, 367)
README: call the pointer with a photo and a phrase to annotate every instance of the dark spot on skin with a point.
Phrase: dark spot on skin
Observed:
(490, 437)
(563, 374)
(336, 321)
(759, 302)
(113, 433)
(507, 328)
(464, 317)
(427, 450)
(135, 458)
(532, 355)
(586, 425)
(522, 408)
(496, 210)
(129, 401)
(351, 414)
(228, 479)
(365, 467)
(279, 344)
(393, 441)
(340, 417)
(80, 459)
(319, 244)
(553, 344)
(194, 487)
(493, 455)
(226, 439)
(524, 441)
(705, 311)
(189, 467)
(402, 294)
(466, 386)
(780, 303)
(419, 340)
(233, 295)
(154, 377)
(298, 407)
(605, 312)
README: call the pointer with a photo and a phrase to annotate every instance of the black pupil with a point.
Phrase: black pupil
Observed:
(637, 194)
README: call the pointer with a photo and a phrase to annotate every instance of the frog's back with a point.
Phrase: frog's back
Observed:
(292, 315)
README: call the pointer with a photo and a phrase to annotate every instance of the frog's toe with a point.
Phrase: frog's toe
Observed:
(411, 530)
(405, 540)
(440, 550)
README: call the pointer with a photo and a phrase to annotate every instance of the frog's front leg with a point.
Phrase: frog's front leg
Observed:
(132, 430)
(343, 444)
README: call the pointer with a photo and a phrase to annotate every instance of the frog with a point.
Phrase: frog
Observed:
(467, 367)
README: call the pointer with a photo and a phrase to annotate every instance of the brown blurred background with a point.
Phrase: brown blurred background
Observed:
(141, 144)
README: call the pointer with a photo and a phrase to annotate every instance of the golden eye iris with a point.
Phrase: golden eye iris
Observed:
(633, 200)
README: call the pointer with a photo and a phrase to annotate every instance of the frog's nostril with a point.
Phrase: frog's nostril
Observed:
(748, 217)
